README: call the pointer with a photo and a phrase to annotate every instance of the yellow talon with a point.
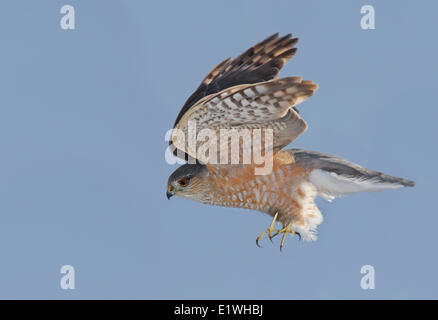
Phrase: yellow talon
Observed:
(268, 231)
(287, 229)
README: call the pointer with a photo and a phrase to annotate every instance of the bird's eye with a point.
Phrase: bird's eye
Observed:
(183, 182)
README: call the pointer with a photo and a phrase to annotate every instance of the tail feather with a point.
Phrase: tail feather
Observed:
(333, 176)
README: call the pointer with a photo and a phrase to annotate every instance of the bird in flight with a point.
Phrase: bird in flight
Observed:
(245, 93)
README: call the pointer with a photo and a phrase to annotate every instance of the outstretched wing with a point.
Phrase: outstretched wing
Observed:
(264, 105)
(261, 62)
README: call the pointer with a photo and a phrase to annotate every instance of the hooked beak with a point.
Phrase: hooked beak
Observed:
(169, 192)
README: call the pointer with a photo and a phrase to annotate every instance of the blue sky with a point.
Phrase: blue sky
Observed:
(83, 115)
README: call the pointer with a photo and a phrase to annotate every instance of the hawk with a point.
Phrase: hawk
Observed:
(245, 93)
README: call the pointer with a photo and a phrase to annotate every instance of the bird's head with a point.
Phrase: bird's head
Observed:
(189, 181)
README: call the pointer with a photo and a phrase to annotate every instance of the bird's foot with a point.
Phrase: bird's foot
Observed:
(287, 229)
(268, 231)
